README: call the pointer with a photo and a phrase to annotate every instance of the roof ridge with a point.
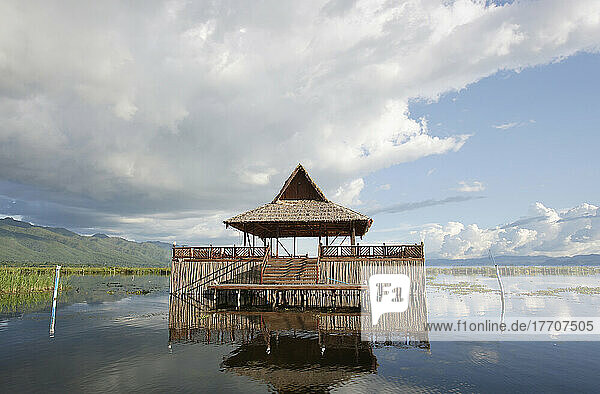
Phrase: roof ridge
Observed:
(287, 183)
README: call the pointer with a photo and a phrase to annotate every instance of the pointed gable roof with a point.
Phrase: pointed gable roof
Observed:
(300, 209)
(300, 186)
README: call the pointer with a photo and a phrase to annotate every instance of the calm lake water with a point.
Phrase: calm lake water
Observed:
(112, 334)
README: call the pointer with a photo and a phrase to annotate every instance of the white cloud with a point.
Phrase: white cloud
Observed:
(219, 98)
(348, 194)
(472, 187)
(125, 109)
(16, 217)
(510, 125)
(257, 177)
(546, 231)
(505, 126)
(184, 227)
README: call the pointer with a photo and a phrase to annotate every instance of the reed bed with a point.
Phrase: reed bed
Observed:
(14, 280)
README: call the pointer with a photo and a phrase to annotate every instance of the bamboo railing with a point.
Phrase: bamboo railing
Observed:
(190, 253)
(372, 251)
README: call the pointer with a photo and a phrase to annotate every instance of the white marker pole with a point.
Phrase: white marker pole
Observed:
(53, 319)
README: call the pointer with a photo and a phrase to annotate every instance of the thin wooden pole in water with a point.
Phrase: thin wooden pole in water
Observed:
(499, 283)
(501, 293)
(53, 319)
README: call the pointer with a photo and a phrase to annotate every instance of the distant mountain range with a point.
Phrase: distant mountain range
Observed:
(589, 259)
(24, 243)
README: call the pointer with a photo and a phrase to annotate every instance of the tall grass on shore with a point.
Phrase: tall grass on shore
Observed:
(19, 280)
(112, 270)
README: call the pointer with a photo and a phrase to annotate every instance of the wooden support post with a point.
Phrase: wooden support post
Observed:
(353, 239)
(303, 296)
(320, 232)
(272, 297)
(319, 262)
(239, 293)
(170, 279)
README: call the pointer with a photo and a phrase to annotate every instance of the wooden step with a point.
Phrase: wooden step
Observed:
(290, 271)
(301, 279)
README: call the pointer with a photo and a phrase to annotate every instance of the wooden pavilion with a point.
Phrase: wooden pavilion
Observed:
(300, 209)
(269, 274)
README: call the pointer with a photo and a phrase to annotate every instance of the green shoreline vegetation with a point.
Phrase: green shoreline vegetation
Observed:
(40, 278)
(35, 279)
(16, 280)
(25, 289)
(582, 290)
(462, 288)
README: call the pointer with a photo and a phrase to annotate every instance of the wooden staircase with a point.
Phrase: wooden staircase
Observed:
(290, 270)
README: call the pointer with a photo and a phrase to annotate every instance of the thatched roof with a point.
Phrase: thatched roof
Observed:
(300, 210)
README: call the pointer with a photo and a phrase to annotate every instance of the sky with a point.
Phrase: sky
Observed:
(469, 125)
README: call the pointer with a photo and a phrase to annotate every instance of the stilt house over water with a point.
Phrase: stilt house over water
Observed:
(270, 274)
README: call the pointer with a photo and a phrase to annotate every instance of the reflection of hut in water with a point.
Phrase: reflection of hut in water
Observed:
(301, 361)
(291, 351)
(274, 275)
(191, 320)
(287, 350)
